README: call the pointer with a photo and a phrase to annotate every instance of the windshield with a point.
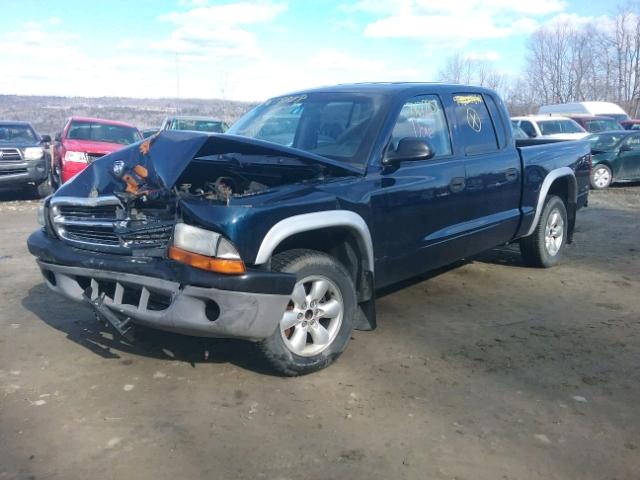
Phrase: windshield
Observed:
(605, 141)
(103, 132)
(336, 125)
(213, 126)
(602, 125)
(554, 127)
(17, 134)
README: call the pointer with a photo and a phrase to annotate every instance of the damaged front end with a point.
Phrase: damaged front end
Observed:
(129, 201)
(144, 235)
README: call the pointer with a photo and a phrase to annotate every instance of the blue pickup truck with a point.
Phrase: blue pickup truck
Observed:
(281, 230)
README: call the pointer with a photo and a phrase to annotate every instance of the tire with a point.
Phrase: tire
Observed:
(45, 188)
(601, 177)
(308, 338)
(543, 248)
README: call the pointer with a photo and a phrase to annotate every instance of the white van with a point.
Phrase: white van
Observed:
(604, 109)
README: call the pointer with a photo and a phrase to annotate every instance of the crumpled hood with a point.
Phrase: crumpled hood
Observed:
(166, 155)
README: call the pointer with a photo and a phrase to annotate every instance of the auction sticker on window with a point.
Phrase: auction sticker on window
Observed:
(467, 99)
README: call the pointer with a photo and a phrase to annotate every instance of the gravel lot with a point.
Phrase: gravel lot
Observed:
(488, 370)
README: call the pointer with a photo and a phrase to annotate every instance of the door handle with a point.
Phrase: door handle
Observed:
(457, 184)
(512, 174)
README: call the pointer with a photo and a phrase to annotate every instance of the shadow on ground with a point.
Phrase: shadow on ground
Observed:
(82, 327)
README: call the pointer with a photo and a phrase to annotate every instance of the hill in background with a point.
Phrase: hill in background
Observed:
(49, 114)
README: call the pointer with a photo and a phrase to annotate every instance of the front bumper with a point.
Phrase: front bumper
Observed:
(20, 173)
(249, 306)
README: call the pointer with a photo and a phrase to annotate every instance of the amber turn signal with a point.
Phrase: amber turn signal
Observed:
(220, 265)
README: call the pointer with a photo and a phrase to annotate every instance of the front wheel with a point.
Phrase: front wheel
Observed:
(45, 188)
(318, 320)
(601, 177)
(543, 248)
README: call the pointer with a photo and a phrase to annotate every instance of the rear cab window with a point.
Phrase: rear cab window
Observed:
(528, 128)
(475, 124)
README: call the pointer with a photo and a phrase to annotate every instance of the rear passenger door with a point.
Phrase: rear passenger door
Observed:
(493, 170)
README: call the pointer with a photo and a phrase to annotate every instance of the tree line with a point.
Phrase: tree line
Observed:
(565, 62)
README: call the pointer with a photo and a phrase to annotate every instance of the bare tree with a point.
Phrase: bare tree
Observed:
(469, 71)
(625, 43)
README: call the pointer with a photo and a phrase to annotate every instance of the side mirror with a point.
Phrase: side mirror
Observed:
(45, 139)
(58, 136)
(625, 148)
(409, 149)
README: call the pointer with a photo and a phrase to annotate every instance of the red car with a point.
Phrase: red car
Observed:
(84, 140)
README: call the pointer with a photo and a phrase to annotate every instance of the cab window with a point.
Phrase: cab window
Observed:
(423, 117)
(475, 124)
(528, 128)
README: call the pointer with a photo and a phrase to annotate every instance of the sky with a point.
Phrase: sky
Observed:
(252, 50)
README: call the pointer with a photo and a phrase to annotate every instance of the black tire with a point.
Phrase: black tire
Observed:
(45, 188)
(305, 264)
(533, 248)
(597, 180)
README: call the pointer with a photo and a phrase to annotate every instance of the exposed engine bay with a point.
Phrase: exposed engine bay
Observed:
(229, 177)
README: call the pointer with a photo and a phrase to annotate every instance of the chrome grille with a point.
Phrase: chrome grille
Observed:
(100, 224)
(85, 212)
(10, 155)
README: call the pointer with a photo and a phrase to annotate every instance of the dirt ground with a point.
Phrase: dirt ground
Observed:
(488, 370)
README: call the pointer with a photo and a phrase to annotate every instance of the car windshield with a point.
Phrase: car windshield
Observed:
(103, 132)
(339, 126)
(602, 125)
(17, 133)
(554, 127)
(605, 141)
(212, 126)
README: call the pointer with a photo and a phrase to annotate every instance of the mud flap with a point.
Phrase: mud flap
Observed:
(123, 327)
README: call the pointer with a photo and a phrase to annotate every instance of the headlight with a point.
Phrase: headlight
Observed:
(33, 153)
(78, 157)
(41, 214)
(204, 249)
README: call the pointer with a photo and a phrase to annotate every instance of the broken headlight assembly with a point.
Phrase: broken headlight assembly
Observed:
(205, 250)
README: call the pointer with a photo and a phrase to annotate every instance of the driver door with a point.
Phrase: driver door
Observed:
(418, 207)
(629, 161)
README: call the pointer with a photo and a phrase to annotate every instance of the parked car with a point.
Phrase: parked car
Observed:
(147, 132)
(616, 157)
(84, 140)
(550, 127)
(194, 124)
(593, 124)
(286, 243)
(24, 158)
(604, 109)
(633, 124)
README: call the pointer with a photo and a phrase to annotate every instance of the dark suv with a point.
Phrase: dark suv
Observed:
(24, 158)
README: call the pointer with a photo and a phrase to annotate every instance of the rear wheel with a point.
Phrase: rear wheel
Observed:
(601, 177)
(318, 320)
(543, 248)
